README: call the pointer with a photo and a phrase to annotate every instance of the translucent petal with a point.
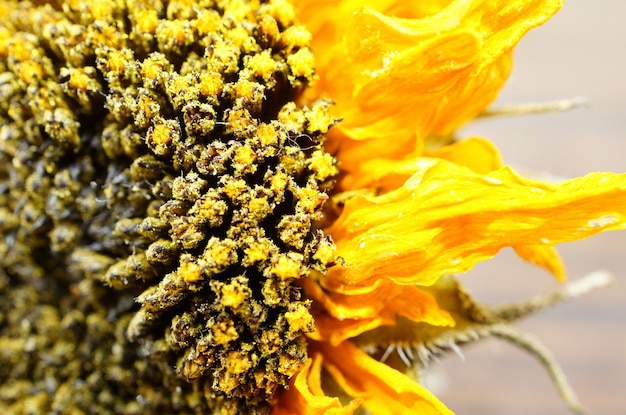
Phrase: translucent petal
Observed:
(306, 397)
(384, 390)
(422, 71)
(346, 316)
(446, 218)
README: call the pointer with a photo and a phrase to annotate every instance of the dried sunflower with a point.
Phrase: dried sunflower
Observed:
(188, 227)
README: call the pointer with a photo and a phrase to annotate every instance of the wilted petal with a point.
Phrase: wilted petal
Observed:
(446, 218)
(383, 390)
(306, 397)
(388, 173)
(545, 256)
(346, 316)
(427, 70)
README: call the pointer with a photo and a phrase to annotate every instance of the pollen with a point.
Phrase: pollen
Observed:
(190, 272)
(286, 268)
(146, 21)
(301, 64)
(299, 318)
(162, 197)
(323, 164)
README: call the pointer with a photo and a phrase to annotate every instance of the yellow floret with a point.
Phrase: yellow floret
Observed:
(279, 182)
(211, 84)
(244, 155)
(295, 37)
(161, 134)
(147, 21)
(267, 135)
(299, 318)
(190, 272)
(209, 21)
(234, 188)
(323, 164)
(237, 362)
(262, 65)
(258, 252)
(224, 333)
(326, 253)
(302, 64)
(79, 80)
(31, 72)
(233, 295)
(286, 268)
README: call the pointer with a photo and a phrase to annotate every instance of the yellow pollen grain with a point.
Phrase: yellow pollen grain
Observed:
(208, 22)
(237, 362)
(30, 72)
(224, 333)
(323, 165)
(325, 253)
(79, 80)
(190, 272)
(234, 188)
(220, 254)
(299, 319)
(147, 21)
(117, 62)
(262, 65)
(161, 134)
(238, 120)
(295, 37)
(282, 11)
(211, 84)
(232, 295)
(151, 69)
(258, 252)
(99, 10)
(309, 199)
(267, 135)
(244, 155)
(278, 182)
(19, 50)
(319, 119)
(145, 105)
(178, 85)
(238, 36)
(174, 31)
(5, 37)
(259, 206)
(286, 268)
(302, 64)
(245, 89)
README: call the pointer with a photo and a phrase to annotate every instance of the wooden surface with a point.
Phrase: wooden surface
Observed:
(582, 51)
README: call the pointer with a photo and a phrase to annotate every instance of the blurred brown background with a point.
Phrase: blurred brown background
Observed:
(581, 51)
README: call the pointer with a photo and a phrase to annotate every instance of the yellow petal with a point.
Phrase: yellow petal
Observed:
(446, 218)
(347, 316)
(477, 153)
(545, 256)
(388, 172)
(429, 69)
(306, 397)
(384, 390)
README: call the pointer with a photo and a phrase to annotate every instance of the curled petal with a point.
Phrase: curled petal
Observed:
(383, 390)
(387, 173)
(545, 256)
(447, 59)
(306, 397)
(350, 315)
(477, 153)
(446, 218)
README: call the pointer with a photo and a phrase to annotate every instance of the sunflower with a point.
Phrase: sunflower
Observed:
(244, 207)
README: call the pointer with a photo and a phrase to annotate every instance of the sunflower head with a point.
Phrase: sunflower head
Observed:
(205, 178)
